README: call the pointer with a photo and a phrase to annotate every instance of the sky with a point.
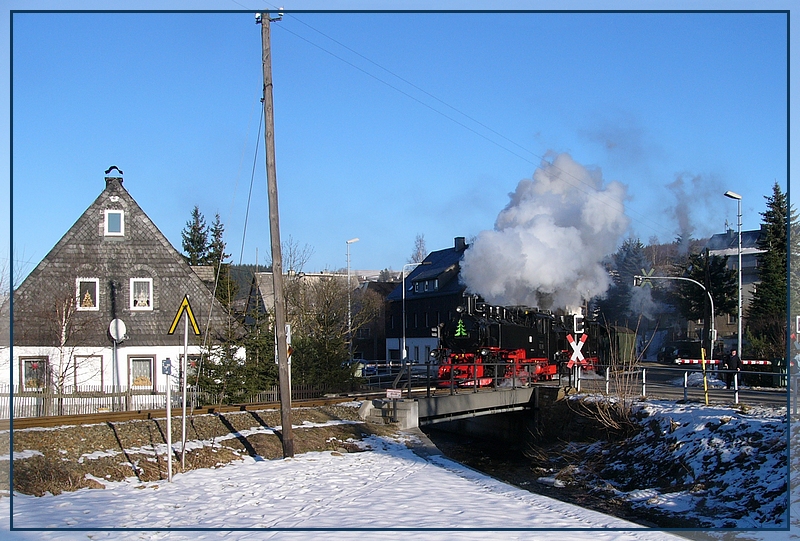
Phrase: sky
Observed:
(390, 125)
(389, 486)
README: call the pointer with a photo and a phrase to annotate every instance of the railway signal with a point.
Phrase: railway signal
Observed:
(576, 356)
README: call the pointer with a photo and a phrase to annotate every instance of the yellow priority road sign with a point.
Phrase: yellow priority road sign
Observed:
(185, 307)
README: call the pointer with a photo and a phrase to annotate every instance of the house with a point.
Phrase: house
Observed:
(727, 244)
(433, 291)
(115, 265)
(369, 340)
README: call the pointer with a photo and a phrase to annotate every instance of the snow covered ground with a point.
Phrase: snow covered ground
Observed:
(391, 487)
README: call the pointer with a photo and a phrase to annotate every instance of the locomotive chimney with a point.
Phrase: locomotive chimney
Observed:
(460, 244)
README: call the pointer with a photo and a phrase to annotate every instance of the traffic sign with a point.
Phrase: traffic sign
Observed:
(576, 349)
(185, 307)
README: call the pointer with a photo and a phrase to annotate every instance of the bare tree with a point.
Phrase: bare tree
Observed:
(293, 256)
(67, 336)
(420, 252)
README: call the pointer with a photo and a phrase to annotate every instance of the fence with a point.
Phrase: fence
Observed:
(95, 399)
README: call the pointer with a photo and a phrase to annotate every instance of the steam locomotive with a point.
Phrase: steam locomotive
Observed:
(486, 345)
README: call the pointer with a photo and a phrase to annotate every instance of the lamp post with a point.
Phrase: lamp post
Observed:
(639, 279)
(349, 313)
(734, 195)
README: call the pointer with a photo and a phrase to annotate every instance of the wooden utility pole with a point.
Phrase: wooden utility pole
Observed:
(275, 238)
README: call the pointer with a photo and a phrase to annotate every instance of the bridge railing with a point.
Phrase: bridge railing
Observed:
(691, 380)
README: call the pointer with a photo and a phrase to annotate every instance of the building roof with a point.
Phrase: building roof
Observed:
(87, 252)
(442, 266)
(728, 243)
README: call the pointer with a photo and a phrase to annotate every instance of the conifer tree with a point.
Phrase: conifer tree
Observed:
(766, 315)
(195, 238)
(226, 287)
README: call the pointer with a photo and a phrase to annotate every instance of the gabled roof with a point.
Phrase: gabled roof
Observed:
(441, 265)
(728, 243)
(85, 251)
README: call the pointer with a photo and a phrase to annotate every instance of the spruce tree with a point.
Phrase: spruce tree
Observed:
(629, 260)
(766, 315)
(195, 238)
(226, 287)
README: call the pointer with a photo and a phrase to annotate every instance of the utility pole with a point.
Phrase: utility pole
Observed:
(275, 239)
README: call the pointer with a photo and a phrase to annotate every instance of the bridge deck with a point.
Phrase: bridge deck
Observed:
(438, 409)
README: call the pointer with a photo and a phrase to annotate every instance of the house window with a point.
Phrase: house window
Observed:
(114, 223)
(436, 284)
(88, 370)
(34, 373)
(416, 287)
(731, 319)
(363, 333)
(142, 372)
(86, 293)
(426, 285)
(141, 293)
(191, 369)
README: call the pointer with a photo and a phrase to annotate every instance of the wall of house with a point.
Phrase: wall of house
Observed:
(138, 367)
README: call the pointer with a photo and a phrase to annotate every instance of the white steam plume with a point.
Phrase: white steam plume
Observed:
(548, 243)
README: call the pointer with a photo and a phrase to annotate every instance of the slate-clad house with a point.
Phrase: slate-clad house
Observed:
(433, 292)
(112, 264)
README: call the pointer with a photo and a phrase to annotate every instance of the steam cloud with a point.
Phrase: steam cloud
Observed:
(548, 243)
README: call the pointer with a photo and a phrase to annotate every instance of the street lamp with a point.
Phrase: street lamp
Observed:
(734, 195)
(349, 316)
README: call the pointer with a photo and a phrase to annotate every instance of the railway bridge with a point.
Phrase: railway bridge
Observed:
(429, 410)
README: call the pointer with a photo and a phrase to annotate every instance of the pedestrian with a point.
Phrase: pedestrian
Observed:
(734, 365)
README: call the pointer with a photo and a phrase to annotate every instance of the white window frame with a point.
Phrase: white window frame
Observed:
(92, 363)
(121, 232)
(151, 361)
(132, 304)
(79, 300)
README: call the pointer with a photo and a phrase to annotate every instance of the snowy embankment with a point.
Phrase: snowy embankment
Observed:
(391, 487)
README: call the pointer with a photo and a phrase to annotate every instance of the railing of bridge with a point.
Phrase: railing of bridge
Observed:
(648, 381)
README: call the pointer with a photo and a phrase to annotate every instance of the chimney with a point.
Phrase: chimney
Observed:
(111, 179)
(460, 244)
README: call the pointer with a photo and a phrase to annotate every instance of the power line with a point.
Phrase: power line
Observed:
(641, 218)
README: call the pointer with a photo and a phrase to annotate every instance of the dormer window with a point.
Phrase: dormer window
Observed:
(86, 290)
(114, 223)
(141, 293)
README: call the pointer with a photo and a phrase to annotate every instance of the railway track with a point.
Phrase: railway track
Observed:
(122, 416)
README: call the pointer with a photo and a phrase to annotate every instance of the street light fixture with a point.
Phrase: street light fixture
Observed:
(734, 195)
(349, 312)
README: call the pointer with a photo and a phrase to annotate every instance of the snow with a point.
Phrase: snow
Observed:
(327, 495)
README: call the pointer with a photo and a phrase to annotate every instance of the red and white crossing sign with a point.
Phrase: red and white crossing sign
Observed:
(576, 356)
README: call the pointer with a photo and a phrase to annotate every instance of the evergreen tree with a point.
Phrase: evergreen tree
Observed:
(716, 277)
(766, 315)
(628, 261)
(195, 238)
(226, 287)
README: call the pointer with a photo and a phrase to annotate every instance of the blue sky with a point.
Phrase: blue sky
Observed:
(390, 125)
